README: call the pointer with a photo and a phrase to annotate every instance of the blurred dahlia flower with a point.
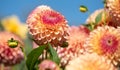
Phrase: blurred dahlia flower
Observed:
(48, 65)
(92, 16)
(10, 56)
(76, 40)
(113, 8)
(90, 62)
(105, 41)
(12, 24)
(105, 18)
(47, 25)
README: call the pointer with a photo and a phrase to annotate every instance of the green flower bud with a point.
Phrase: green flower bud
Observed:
(12, 43)
(83, 9)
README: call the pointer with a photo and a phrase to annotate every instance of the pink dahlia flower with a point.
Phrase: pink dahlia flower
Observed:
(76, 40)
(10, 56)
(105, 41)
(48, 65)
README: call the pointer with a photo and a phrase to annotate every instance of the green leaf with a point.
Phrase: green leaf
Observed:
(89, 26)
(53, 54)
(98, 18)
(33, 56)
(83, 8)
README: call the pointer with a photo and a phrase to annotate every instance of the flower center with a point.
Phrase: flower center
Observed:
(109, 43)
(51, 17)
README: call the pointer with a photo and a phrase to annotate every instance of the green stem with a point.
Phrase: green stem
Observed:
(92, 25)
(23, 50)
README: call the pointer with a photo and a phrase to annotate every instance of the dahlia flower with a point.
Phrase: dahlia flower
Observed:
(76, 40)
(105, 18)
(48, 65)
(47, 25)
(105, 41)
(10, 56)
(113, 8)
(92, 16)
(90, 62)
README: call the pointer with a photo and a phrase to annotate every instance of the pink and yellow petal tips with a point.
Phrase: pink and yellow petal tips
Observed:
(90, 62)
(10, 56)
(47, 25)
(113, 8)
(105, 41)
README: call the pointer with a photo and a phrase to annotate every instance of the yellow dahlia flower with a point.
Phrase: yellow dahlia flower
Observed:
(105, 41)
(113, 7)
(12, 24)
(10, 56)
(90, 62)
(47, 25)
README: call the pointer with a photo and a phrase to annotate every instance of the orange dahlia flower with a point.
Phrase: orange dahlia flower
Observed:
(47, 25)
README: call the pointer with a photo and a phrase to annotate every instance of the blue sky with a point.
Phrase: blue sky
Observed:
(69, 8)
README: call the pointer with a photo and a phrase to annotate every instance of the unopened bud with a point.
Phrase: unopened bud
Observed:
(12, 43)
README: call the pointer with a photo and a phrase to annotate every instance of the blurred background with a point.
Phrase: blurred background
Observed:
(13, 15)
(69, 8)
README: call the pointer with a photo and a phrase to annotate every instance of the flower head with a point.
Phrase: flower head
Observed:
(47, 25)
(77, 36)
(105, 41)
(76, 40)
(48, 65)
(90, 62)
(113, 8)
(10, 56)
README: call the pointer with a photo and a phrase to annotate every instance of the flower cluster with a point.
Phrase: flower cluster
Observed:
(91, 46)
(96, 49)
